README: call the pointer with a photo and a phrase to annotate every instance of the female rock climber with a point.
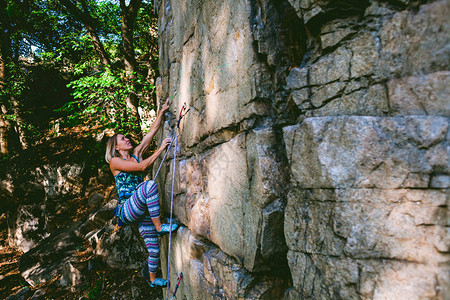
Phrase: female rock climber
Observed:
(138, 200)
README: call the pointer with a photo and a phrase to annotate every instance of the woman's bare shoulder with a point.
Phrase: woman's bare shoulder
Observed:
(111, 166)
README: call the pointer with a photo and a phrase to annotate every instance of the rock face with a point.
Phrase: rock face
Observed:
(64, 252)
(233, 182)
(369, 212)
(50, 257)
(26, 227)
(315, 150)
(209, 273)
(41, 205)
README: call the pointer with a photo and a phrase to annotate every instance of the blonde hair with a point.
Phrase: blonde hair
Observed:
(111, 148)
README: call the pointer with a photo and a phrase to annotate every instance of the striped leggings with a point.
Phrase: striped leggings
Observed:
(141, 207)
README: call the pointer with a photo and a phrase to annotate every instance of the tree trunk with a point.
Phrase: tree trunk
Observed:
(2, 61)
(98, 46)
(12, 136)
(129, 14)
(89, 23)
(4, 125)
(5, 43)
(19, 125)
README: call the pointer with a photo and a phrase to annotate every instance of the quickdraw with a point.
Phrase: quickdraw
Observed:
(183, 112)
(180, 276)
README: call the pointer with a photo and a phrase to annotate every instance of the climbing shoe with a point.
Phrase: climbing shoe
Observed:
(165, 229)
(158, 282)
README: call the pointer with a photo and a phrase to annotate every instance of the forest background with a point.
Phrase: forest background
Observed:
(65, 64)
(71, 73)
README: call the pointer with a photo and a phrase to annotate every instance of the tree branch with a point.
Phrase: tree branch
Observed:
(89, 23)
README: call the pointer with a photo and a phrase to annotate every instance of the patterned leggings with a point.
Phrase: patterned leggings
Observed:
(141, 207)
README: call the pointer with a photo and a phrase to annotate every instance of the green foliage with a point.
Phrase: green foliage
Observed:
(15, 83)
(48, 34)
(100, 101)
(146, 35)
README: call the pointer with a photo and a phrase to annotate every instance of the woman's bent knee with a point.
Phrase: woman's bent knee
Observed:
(150, 188)
(149, 185)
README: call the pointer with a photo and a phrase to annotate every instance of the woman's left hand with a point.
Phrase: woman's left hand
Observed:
(165, 106)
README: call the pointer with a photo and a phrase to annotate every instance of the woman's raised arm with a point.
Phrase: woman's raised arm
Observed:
(143, 146)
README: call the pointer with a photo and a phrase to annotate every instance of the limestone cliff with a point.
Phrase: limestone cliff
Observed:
(313, 163)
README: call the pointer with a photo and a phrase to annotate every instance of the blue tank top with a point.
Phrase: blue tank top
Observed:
(126, 183)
